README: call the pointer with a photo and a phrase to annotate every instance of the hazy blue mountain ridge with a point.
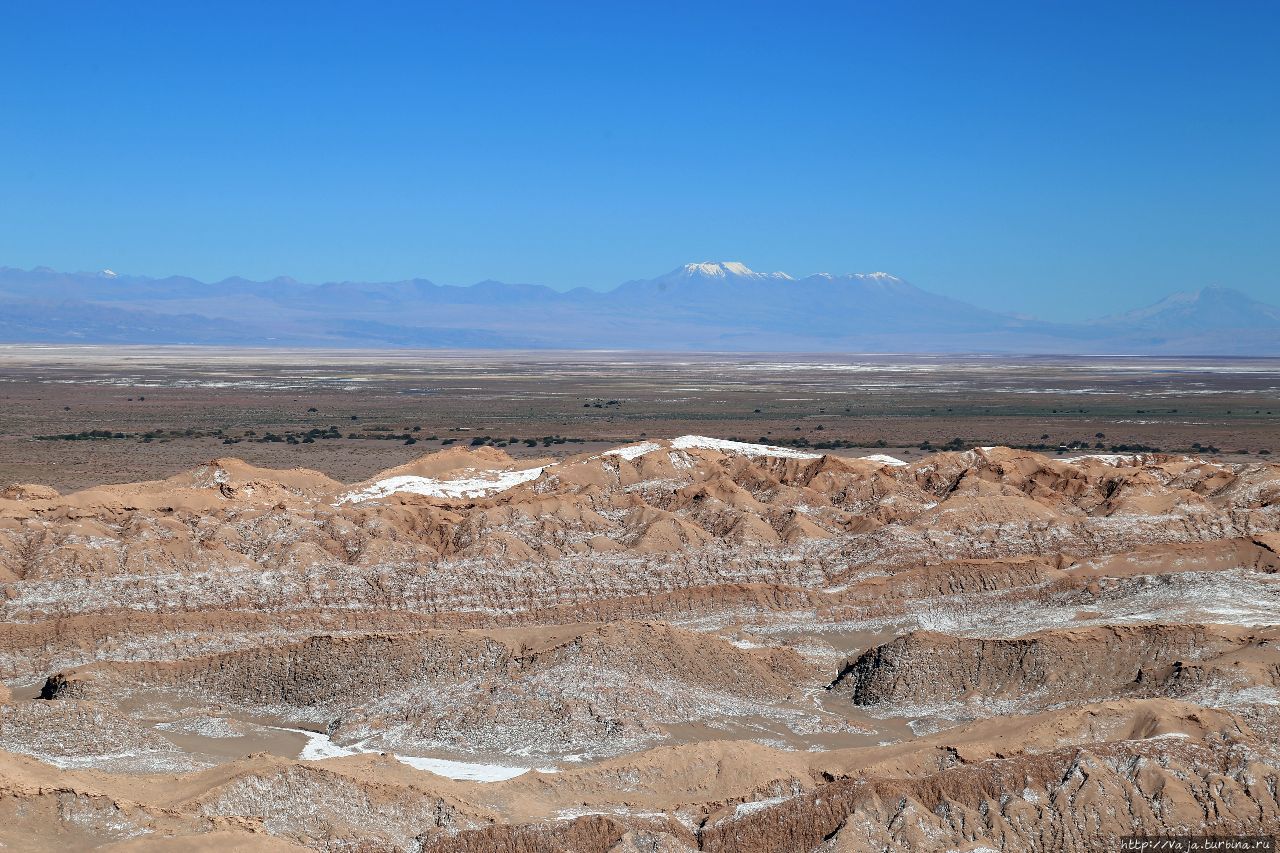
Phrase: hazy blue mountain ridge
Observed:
(702, 306)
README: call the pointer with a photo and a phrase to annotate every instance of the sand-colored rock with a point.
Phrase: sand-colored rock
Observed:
(715, 646)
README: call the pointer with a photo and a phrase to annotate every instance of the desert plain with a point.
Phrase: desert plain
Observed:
(430, 601)
(193, 399)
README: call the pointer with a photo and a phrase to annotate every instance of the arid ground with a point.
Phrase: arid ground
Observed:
(603, 602)
(192, 400)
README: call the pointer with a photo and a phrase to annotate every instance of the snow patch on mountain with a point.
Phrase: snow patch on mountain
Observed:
(489, 483)
(725, 269)
(702, 442)
(883, 459)
(633, 451)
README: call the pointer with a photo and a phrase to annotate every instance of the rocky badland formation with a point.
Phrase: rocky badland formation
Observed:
(686, 644)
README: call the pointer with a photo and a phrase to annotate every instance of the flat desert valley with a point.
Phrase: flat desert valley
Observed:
(186, 404)
(541, 601)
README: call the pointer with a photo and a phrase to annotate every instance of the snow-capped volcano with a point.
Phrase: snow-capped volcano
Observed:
(725, 270)
(709, 279)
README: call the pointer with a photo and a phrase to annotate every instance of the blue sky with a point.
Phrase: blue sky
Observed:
(1045, 157)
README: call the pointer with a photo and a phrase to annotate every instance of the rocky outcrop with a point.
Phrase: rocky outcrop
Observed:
(1034, 671)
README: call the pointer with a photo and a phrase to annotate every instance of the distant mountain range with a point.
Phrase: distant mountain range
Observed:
(702, 306)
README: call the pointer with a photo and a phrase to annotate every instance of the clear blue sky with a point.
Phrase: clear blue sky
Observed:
(1006, 153)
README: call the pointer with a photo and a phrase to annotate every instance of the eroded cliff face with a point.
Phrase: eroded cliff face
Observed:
(1050, 668)
(687, 644)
